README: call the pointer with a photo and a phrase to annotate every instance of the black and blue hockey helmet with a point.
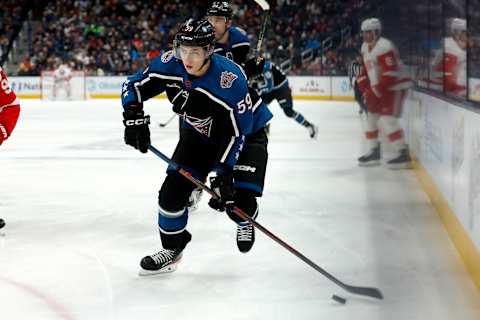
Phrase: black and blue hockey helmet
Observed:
(195, 32)
(220, 8)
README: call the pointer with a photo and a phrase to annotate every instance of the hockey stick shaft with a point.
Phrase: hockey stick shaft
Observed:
(166, 123)
(261, 35)
(365, 291)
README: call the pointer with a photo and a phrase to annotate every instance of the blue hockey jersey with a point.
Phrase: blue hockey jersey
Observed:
(216, 105)
(237, 47)
(271, 79)
(237, 50)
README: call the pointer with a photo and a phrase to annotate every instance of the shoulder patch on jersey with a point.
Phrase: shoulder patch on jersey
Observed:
(227, 79)
(167, 56)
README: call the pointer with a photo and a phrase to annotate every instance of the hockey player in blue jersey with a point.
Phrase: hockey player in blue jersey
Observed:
(231, 42)
(223, 131)
(272, 84)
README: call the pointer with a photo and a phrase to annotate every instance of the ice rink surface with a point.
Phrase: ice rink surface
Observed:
(81, 212)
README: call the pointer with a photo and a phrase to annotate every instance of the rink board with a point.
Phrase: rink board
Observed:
(445, 140)
(303, 87)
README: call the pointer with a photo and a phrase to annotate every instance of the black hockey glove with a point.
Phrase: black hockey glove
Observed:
(223, 186)
(253, 68)
(137, 133)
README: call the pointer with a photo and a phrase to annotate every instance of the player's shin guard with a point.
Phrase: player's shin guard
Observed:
(373, 156)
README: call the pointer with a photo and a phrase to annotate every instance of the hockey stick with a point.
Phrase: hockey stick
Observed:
(265, 17)
(364, 291)
(166, 123)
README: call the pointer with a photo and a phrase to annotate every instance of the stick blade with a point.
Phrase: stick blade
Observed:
(365, 291)
(263, 4)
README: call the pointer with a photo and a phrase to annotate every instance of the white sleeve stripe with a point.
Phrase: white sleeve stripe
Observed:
(218, 49)
(234, 122)
(162, 76)
(281, 84)
(223, 104)
(13, 104)
(259, 102)
(139, 96)
(220, 102)
(3, 131)
(152, 75)
(241, 44)
(227, 150)
(241, 69)
(178, 94)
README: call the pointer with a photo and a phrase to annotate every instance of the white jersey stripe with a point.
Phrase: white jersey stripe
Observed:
(281, 84)
(227, 150)
(240, 44)
(259, 102)
(223, 104)
(152, 75)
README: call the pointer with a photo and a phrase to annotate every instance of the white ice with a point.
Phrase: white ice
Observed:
(81, 212)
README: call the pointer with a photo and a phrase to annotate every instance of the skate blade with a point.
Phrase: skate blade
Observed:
(369, 163)
(400, 166)
(168, 269)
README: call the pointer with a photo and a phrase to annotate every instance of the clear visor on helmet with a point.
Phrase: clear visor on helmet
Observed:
(193, 51)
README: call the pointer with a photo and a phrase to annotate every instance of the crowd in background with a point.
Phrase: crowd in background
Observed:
(118, 37)
(11, 17)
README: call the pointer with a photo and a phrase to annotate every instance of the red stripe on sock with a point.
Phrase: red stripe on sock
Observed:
(394, 136)
(371, 134)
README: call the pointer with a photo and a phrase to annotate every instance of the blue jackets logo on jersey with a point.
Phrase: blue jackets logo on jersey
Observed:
(203, 126)
(167, 56)
(227, 79)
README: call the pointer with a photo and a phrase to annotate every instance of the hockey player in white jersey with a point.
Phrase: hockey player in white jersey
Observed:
(61, 80)
(449, 67)
(384, 86)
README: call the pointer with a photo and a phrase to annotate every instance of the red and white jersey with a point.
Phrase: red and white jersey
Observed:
(63, 73)
(9, 107)
(451, 65)
(384, 69)
(7, 96)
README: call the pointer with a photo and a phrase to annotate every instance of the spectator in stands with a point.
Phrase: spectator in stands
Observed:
(66, 26)
(26, 67)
